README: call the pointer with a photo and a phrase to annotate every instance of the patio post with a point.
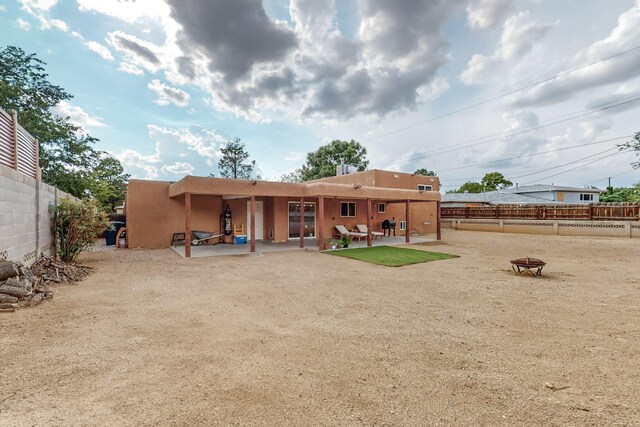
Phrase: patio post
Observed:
(187, 233)
(407, 225)
(438, 222)
(301, 222)
(253, 224)
(320, 236)
(369, 223)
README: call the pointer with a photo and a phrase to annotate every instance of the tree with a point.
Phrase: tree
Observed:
(495, 181)
(67, 154)
(469, 187)
(621, 194)
(424, 172)
(108, 183)
(232, 165)
(323, 162)
(634, 144)
(293, 176)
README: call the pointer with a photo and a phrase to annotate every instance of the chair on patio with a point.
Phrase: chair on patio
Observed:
(342, 231)
(362, 228)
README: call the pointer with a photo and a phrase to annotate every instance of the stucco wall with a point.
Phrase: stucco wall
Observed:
(153, 217)
(628, 229)
(23, 203)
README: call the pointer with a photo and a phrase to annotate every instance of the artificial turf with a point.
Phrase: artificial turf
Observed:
(391, 256)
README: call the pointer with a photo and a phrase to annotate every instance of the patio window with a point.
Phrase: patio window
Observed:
(403, 225)
(348, 209)
(382, 208)
(424, 187)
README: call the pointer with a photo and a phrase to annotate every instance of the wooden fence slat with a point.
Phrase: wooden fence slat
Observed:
(599, 211)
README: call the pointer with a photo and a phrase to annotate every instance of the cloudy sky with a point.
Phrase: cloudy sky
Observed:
(541, 90)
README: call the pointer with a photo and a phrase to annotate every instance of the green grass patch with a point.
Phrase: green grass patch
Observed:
(391, 256)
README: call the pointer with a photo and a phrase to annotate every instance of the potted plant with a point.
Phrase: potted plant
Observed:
(345, 241)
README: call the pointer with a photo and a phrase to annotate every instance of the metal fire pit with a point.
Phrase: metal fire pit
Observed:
(522, 265)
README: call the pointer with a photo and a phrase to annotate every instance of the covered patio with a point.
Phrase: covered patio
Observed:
(316, 191)
(266, 246)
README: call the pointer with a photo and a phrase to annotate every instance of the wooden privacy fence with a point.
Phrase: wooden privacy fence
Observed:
(18, 149)
(596, 211)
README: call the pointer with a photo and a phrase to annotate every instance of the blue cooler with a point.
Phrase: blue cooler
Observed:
(240, 239)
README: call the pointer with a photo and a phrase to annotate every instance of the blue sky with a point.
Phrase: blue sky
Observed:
(163, 85)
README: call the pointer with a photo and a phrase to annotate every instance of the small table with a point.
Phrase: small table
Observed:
(527, 264)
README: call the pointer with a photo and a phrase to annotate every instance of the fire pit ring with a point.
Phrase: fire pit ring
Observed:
(522, 265)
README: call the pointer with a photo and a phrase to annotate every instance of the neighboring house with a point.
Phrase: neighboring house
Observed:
(157, 209)
(555, 193)
(525, 195)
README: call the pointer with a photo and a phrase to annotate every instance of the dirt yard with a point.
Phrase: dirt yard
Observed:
(302, 338)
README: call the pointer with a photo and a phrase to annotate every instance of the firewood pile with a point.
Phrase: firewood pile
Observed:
(22, 286)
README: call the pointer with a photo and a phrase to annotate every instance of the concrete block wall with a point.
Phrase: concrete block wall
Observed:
(24, 216)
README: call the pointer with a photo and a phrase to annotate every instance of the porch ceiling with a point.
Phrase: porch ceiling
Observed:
(245, 188)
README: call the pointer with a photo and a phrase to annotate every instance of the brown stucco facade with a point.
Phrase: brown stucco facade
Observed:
(157, 209)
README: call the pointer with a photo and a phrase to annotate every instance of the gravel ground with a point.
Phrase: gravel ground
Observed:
(303, 338)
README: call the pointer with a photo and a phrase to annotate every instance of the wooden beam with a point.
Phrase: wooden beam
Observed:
(408, 224)
(187, 225)
(16, 158)
(301, 222)
(253, 224)
(369, 223)
(438, 222)
(320, 216)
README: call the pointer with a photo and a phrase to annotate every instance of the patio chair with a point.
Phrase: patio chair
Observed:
(362, 228)
(342, 231)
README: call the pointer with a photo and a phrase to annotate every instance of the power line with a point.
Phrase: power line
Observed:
(533, 155)
(577, 167)
(468, 107)
(525, 129)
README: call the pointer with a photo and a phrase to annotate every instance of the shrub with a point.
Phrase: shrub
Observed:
(75, 225)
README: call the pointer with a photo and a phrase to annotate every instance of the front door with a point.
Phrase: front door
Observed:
(259, 220)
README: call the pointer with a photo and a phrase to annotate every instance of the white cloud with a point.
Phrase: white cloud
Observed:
(132, 160)
(168, 95)
(136, 50)
(32, 5)
(622, 68)
(77, 115)
(519, 35)
(23, 24)
(483, 14)
(3, 8)
(206, 143)
(47, 24)
(128, 11)
(125, 67)
(178, 168)
(101, 50)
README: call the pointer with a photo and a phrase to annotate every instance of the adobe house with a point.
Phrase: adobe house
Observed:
(272, 210)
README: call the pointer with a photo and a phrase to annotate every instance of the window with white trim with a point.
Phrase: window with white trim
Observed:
(347, 209)
(586, 197)
(425, 187)
(403, 225)
(382, 208)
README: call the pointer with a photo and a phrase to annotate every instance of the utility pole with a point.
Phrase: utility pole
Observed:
(609, 181)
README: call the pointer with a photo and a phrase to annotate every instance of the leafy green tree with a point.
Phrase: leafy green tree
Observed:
(67, 155)
(470, 187)
(634, 144)
(323, 162)
(424, 172)
(232, 164)
(293, 176)
(621, 194)
(108, 183)
(495, 181)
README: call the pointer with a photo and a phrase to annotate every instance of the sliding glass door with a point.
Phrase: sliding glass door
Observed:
(307, 214)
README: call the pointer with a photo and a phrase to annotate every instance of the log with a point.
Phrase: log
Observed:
(37, 299)
(5, 305)
(17, 282)
(8, 298)
(16, 292)
(7, 269)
